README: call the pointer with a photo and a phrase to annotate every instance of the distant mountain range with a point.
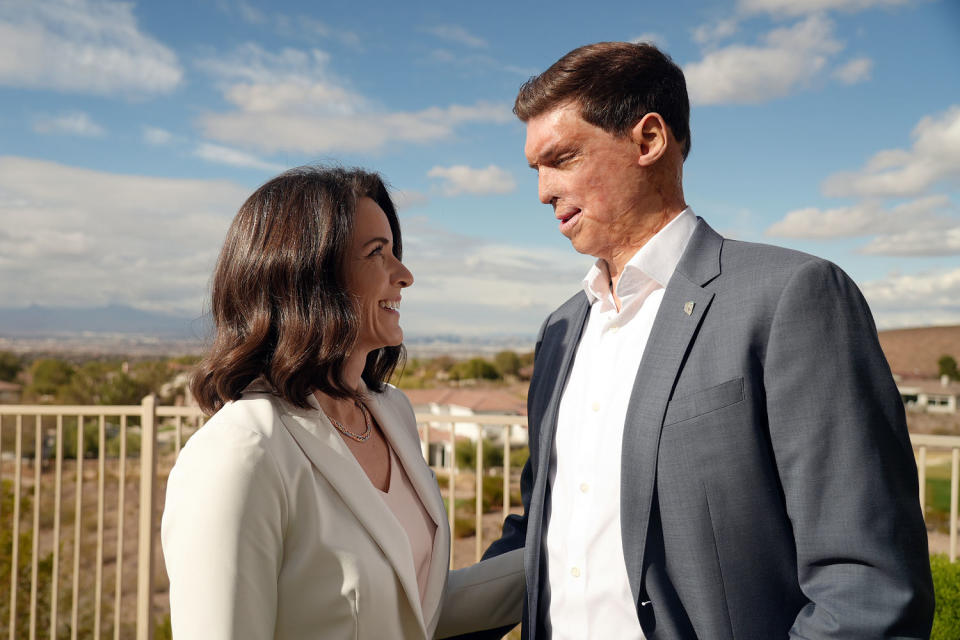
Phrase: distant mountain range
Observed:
(128, 330)
(911, 352)
(37, 321)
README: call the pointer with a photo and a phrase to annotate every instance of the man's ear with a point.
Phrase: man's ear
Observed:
(651, 136)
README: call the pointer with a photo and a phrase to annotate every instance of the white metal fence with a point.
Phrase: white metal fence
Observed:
(79, 483)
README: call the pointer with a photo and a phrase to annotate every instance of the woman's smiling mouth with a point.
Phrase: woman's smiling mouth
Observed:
(390, 305)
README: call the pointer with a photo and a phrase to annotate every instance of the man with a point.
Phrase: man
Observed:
(717, 448)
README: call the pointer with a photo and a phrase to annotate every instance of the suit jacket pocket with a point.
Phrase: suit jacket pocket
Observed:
(704, 401)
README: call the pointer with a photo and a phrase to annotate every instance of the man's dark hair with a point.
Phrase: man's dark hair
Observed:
(615, 84)
(280, 305)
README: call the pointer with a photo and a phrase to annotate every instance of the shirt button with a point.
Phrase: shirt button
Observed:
(614, 329)
(575, 572)
(584, 487)
(595, 406)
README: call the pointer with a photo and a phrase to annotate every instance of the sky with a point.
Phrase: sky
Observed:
(130, 133)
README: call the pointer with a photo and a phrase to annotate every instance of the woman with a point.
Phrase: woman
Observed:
(303, 508)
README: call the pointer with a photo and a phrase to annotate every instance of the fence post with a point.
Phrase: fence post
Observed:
(148, 472)
(478, 541)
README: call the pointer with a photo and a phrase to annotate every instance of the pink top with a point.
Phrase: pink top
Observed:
(403, 501)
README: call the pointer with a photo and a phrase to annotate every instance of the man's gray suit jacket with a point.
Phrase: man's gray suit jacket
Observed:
(768, 484)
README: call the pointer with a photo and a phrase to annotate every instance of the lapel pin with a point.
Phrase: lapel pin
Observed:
(688, 308)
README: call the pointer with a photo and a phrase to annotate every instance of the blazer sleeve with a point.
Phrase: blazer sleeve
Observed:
(222, 536)
(843, 454)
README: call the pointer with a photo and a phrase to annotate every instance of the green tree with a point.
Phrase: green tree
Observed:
(474, 369)
(508, 362)
(103, 383)
(47, 375)
(153, 374)
(948, 367)
(466, 454)
(10, 366)
(23, 568)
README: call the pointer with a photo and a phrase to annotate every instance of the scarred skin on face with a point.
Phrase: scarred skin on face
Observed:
(609, 193)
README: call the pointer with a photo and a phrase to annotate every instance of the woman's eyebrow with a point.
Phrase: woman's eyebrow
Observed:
(377, 239)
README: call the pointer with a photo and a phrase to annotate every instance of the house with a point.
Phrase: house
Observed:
(934, 396)
(9, 392)
(466, 402)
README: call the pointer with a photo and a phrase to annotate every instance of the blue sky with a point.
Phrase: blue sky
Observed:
(131, 132)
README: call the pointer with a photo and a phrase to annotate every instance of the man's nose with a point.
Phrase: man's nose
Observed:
(544, 187)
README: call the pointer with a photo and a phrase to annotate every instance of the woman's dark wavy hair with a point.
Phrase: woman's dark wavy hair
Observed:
(280, 305)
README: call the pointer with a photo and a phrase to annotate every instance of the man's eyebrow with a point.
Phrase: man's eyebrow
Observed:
(549, 155)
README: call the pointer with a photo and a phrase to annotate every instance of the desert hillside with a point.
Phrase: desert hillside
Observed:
(914, 352)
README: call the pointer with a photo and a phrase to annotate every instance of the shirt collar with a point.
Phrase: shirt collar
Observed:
(655, 261)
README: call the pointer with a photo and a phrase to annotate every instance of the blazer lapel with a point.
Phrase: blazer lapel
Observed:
(323, 446)
(405, 441)
(684, 304)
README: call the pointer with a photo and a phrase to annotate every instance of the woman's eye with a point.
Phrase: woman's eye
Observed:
(378, 250)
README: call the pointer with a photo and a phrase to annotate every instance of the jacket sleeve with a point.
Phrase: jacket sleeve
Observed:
(514, 533)
(222, 536)
(484, 595)
(844, 459)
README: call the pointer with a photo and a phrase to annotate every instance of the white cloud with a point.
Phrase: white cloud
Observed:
(917, 242)
(855, 71)
(934, 158)
(466, 286)
(74, 236)
(74, 123)
(474, 63)
(83, 46)
(802, 7)
(867, 218)
(788, 58)
(460, 179)
(301, 27)
(250, 14)
(290, 101)
(233, 157)
(457, 34)
(407, 198)
(915, 300)
(657, 39)
(708, 34)
(156, 136)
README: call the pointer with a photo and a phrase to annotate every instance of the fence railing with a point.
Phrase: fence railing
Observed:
(79, 483)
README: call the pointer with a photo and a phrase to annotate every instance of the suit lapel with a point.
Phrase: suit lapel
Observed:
(406, 443)
(555, 359)
(673, 330)
(323, 446)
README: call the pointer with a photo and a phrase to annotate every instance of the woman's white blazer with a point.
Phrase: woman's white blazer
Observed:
(271, 529)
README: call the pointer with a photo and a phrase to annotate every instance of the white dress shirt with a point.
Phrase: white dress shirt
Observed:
(590, 595)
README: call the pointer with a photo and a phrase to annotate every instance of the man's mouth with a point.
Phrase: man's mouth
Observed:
(568, 218)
